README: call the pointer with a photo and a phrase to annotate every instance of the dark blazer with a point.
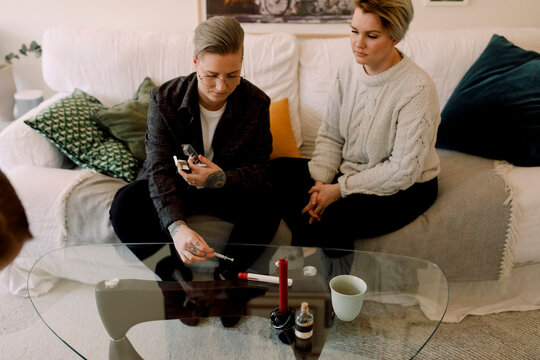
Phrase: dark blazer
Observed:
(242, 141)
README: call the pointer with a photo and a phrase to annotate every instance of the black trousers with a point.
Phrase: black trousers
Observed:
(253, 213)
(354, 217)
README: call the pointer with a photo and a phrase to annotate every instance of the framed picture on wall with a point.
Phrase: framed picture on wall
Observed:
(280, 11)
(445, 2)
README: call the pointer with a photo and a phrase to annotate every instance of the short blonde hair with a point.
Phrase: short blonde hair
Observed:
(218, 35)
(395, 15)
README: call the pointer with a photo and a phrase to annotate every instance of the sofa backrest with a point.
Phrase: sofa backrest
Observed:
(444, 55)
(111, 64)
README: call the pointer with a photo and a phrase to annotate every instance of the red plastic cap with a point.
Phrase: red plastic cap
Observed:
(242, 275)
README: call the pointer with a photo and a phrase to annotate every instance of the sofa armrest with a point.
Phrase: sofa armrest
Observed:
(22, 145)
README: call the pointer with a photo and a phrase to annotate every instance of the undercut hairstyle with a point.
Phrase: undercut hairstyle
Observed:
(13, 222)
(395, 15)
(220, 35)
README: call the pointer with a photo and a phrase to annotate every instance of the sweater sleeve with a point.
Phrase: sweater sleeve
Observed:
(327, 156)
(417, 122)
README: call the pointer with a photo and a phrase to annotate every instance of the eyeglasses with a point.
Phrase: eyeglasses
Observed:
(212, 80)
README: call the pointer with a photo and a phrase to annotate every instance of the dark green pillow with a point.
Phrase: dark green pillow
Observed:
(127, 121)
(494, 112)
(68, 125)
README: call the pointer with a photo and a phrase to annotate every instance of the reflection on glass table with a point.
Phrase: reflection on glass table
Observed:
(103, 302)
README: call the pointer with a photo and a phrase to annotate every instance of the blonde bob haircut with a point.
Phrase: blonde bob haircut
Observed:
(220, 35)
(395, 15)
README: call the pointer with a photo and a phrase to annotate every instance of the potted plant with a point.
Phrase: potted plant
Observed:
(7, 81)
(24, 50)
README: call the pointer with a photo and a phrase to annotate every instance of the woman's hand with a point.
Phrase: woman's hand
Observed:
(211, 176)
(312, 204)
(322, 195)
(190, 246)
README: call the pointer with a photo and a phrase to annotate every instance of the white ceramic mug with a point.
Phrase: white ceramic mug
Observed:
(347, 296)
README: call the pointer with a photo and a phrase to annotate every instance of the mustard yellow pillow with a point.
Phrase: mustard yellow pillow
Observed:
(280, 126)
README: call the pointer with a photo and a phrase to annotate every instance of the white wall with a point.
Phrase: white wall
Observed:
(24, 20)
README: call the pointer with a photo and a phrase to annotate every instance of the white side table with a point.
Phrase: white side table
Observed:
(25, 101)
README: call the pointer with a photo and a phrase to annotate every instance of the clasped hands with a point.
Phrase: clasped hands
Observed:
(322, 195)
(209, 176)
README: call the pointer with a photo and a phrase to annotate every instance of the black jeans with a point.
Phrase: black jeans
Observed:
(253, 213)
(354, 217)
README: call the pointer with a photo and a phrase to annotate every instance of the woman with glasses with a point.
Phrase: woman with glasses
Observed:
(225, 119)
(374, 168)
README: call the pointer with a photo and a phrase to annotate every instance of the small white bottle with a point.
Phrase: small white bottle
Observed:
(303, 328)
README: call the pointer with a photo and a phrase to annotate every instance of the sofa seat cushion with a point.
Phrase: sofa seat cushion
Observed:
(466, 231)
(88, 207)
(494, 111)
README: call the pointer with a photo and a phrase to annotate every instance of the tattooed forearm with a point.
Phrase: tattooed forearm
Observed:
(215, 180)
(175, 226)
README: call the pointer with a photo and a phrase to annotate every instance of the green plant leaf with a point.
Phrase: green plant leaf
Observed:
(9, 57)
(23, 49)
(35, 48)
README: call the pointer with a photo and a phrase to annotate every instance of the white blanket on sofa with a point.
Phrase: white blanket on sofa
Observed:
(45, 206)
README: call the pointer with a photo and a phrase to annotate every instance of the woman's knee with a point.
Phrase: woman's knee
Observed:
(127, 206)
(123, 200)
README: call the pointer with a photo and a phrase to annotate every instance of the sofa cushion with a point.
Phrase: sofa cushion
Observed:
(69, 126)
(283, 143)
(319, 60)
(465, 231)
(38, 150)
(127, 121)
(444, 55)
(494, 111)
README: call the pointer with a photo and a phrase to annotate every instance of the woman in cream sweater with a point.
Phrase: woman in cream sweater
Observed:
(374, 168)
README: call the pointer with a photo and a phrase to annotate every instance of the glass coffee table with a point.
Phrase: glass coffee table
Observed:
(103, 302)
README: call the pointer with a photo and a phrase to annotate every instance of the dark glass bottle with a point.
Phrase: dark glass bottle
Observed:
(303, 328)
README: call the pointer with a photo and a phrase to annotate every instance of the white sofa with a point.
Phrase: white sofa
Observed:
(489, 248)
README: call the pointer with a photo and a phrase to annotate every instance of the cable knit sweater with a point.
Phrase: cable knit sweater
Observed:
(379, 131)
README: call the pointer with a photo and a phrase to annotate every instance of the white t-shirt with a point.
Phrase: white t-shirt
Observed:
(209, 121)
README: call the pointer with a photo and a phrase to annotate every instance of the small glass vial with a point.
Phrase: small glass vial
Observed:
(303, 328)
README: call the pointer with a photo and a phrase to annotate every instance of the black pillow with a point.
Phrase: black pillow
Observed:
(494, 112)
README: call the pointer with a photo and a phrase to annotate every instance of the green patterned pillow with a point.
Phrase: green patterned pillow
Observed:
(69, 126)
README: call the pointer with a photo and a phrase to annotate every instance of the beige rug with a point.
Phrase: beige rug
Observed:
(509, 335)
(504, 336)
